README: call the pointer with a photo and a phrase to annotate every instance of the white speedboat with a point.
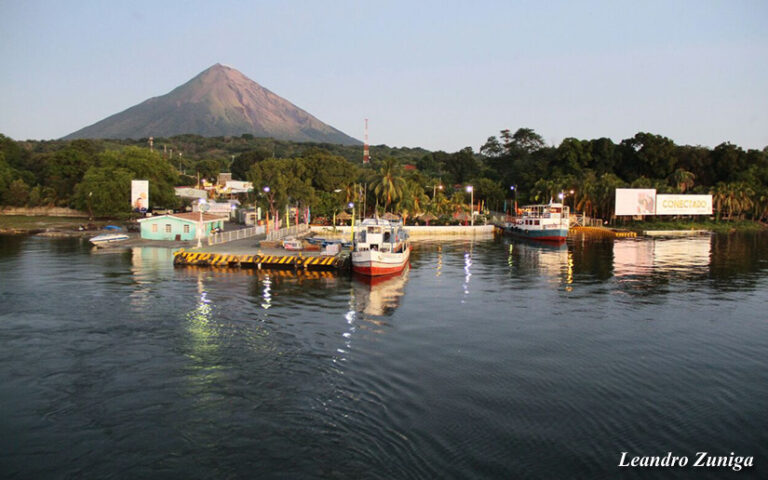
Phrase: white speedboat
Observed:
(108, 239)
(381, 247)
(292, 244)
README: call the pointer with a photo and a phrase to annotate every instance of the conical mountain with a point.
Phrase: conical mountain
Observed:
(220, 101)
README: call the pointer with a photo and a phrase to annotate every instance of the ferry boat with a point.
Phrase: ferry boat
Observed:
(108, 239)
(381, 247)
(541, 222)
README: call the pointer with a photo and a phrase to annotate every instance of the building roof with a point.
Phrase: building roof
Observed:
(189, 217)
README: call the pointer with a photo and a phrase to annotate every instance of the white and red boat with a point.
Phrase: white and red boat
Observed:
(381, 247)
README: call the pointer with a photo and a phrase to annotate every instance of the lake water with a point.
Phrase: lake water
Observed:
(486, 359)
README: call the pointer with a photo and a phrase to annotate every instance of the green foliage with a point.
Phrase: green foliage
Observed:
(245, 160)
(65, 172)
(288, 181)
(106, 191)
(388, 184)
(17, 193)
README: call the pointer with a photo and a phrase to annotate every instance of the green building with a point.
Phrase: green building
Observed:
(179, 226)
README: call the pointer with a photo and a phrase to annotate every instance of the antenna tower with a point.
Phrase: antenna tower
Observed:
(366, 153)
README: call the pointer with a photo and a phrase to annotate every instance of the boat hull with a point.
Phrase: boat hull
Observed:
(374, 263)
(549, 235)
(108, 239)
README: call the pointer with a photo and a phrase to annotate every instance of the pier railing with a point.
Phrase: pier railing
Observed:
(284, 232)
(242, 233)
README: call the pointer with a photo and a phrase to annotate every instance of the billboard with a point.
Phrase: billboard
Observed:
(683, 204)
(635, 201)
(140, 195)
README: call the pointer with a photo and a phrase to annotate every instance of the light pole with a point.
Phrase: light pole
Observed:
(514, 190)
(471, 191)
(435, 188)
(269, 199)
(200, 204)
(352, 234)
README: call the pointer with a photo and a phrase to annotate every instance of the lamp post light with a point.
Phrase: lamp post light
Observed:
(352, 230)
(435, 188)
(471, 191)
(200, 204)
(270, 199)
(571, 193)
(514, 190)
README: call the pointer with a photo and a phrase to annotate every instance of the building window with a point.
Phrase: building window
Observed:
(167, 228)
(186, 228)
(154, 228)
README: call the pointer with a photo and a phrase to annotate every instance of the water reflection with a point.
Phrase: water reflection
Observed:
(674, 256)
(148, 266)
(552, 261)
(378, 296)
(467, 271)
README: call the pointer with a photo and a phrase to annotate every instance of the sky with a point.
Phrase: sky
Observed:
(441, 75)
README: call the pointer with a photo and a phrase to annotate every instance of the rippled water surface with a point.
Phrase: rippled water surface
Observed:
(485, 359)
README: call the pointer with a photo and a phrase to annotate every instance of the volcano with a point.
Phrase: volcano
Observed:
(220, 101)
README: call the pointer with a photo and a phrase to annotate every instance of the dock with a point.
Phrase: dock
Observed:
(260, 254)
(286, 260)
(599, 233)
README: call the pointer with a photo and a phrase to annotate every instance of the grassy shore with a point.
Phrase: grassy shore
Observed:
(23, 224)
(723, 226)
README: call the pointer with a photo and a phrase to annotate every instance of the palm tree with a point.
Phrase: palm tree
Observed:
(388, 183)
(682, 179)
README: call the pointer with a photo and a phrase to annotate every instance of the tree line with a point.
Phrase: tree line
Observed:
(95, 174)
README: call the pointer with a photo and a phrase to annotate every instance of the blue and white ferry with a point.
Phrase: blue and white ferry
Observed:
(548, 222)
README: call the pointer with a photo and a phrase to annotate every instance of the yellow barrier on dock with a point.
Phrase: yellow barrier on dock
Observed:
(183, 257)
(599, 232)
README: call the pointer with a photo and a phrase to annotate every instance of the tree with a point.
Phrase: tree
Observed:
(462, 165)
(524, 139)
(65, 168)
(489, 192)
(388, 184)
(329, 172)
(646, 154)
(728, 162)
(287, 181)
(17, 194)
(573, 156)
(245, 160)
(107, 190)
(682, 180)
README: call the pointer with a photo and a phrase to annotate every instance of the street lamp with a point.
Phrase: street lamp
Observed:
(514, 190)
(471, 191)
(200, 204)
(270, 199)
(435, 188)
(574, 200)
(352, 234)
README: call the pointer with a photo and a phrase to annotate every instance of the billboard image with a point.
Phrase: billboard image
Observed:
(635, 201)
(683, 204)
(140, 195)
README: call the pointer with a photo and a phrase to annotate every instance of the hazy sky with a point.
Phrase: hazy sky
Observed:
(440, 75)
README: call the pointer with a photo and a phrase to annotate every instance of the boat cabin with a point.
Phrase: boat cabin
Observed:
(381, 235)
(534, 215)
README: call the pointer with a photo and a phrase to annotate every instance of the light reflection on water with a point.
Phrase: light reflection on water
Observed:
(484, 359)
